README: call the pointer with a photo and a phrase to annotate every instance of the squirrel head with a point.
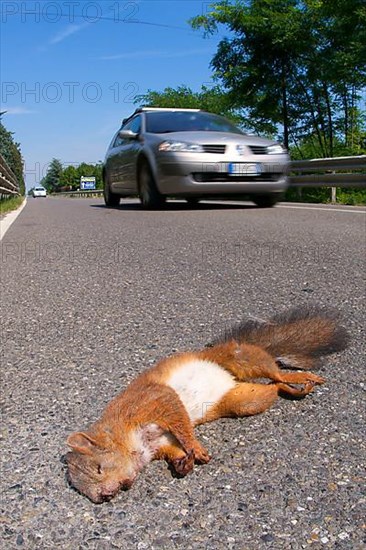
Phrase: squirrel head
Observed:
(98, 466)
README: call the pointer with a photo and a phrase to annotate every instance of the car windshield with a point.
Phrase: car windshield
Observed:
(185, 121)
(39, 188)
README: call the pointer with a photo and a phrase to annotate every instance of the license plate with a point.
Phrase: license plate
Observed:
(244, 169)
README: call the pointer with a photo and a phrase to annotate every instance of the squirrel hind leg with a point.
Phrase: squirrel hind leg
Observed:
(246, 399)
(302, 378)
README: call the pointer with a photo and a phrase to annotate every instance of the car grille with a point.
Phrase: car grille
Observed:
(219, 149)
(209, 177)
(258, 149)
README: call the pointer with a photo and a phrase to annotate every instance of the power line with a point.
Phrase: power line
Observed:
(106, 18)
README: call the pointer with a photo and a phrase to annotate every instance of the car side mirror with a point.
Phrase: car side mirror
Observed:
(127, 134)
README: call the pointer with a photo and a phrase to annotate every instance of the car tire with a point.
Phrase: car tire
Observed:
(148, 192)
(193, 201)
(111, 199)
(266, 201)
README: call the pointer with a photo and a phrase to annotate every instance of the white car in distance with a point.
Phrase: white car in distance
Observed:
(39, 191)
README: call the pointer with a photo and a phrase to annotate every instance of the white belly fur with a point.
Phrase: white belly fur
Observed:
(200, 384)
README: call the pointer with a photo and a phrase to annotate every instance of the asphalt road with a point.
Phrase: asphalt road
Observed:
(91, 296)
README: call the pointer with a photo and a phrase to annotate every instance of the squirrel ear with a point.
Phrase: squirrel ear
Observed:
(82, 443)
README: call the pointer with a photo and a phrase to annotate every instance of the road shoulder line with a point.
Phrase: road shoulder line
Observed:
(325, 207)
(10, 218)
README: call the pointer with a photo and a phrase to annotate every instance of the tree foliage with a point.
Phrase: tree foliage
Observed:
(59, 178)
(298, 65)
(212, 99)
(52, 180)
(11, 152)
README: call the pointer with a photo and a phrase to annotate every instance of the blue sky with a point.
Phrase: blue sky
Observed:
(68, 76)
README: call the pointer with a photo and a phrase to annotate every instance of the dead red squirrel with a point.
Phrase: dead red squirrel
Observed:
(154, 417)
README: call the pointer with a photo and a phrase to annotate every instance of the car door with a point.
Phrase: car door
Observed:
(129, 152)
(113, 164)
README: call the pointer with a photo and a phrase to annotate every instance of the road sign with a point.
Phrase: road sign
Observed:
(87, 182)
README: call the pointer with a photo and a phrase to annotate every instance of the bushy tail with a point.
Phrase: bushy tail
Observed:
(296, 338)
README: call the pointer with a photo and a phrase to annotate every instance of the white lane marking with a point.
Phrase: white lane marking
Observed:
(324, 208)
(10, 218)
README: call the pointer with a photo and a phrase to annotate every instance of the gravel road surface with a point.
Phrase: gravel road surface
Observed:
(91, 296)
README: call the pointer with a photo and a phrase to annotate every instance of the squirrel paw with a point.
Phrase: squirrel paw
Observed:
(311, 381)
(184, 465)
(311, 377)
(201, 455)
(307, 381)
(307, 387)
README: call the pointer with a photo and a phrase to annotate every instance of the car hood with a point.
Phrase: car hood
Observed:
(215, 138)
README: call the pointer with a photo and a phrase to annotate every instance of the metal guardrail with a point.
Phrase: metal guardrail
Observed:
(9, 185)
(81, 193)
(331, 172)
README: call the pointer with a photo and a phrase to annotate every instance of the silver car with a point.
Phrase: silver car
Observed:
(191, 154)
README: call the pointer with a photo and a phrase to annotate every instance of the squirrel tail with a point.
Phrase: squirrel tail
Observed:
(296, 338)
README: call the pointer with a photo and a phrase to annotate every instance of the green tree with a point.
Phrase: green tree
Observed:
(98, 173)
(52, 180)
(69, 178)
(332, 76)
(11, 152)
(58, 178)
(211, 99)
(293, 64)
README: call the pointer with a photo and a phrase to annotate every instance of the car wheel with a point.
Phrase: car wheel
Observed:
(193, 201)
(110, 199)
(148, 192)
(266, 201)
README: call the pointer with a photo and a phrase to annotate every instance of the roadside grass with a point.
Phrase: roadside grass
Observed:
(7, 205)
(351, 196)
(355, 198)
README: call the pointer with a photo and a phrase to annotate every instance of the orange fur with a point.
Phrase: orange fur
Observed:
(152, 420)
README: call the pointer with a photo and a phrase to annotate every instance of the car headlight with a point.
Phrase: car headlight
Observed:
(276, 149)
(180, 146)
